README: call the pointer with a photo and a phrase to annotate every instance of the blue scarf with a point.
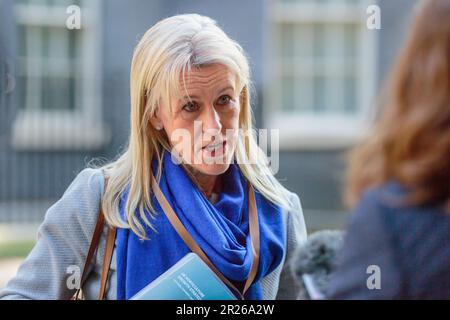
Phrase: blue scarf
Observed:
(221, 230)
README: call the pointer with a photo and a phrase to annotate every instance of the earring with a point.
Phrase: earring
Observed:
(158, 127)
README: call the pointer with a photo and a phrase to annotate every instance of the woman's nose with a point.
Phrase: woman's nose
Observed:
(211, 119)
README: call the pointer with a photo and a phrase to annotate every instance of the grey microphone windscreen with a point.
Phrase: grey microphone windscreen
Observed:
(315, 260)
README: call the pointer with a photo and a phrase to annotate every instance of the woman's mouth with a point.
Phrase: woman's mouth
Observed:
(215, 149)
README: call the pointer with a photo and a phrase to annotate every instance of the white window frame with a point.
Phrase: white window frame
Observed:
(320, 131)
(79, 129)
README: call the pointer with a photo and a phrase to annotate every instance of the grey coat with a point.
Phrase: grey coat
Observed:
(64, 238)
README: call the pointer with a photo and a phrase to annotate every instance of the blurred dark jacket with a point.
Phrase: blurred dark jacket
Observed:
(410, 245)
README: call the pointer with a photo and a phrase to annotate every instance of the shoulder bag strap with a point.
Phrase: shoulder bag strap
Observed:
(93, 247)
(109, 248)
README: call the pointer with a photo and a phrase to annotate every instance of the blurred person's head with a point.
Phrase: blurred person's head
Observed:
(411, 140)
(186, 70)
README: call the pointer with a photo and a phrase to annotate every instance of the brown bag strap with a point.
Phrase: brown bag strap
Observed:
(192, 244)
(92, 247)
(254, 234)
(109, 247)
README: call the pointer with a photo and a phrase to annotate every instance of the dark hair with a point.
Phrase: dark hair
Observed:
(411, 141)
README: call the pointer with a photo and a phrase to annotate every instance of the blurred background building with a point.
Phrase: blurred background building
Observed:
(316, 70)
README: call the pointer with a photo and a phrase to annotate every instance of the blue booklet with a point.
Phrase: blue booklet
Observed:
(188, 279)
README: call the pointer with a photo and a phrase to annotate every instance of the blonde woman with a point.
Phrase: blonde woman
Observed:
(188, 80)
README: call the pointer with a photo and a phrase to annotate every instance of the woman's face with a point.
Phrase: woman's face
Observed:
(204, 124)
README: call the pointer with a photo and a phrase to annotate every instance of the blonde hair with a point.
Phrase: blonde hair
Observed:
(166, 51)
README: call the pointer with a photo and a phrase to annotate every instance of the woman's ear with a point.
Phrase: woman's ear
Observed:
(156, 121)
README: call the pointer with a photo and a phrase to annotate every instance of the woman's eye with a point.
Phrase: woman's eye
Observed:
(190, 107)
(223, 100)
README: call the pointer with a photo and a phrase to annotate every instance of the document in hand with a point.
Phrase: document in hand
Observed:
(188, 279)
